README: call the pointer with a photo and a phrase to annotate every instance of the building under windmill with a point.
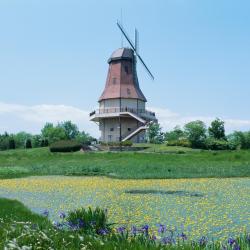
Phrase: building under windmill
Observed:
(122, 114)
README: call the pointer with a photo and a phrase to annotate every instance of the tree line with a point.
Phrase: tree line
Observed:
(50, 133)
(195, 134)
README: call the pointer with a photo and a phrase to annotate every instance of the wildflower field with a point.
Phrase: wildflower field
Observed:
(215, 208)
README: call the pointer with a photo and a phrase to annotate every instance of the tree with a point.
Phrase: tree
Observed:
(53, 134)
(28, 144)
(196, 133)
(154, 133)
(240, 139)
(71, 129)
(4, 141)
(84, 138)
(12, 144)
(21, 138)
(175, 135)
(217, 129)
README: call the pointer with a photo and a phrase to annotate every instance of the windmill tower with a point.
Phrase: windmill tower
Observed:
(122, 114)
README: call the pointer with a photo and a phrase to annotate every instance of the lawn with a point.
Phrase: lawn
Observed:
(175, 162)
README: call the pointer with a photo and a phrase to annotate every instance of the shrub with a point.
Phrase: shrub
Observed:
(28, 144)
(12, 144)
(214, 144)
(180, 143)
(89, 220)
(127, 143)
(65, 146)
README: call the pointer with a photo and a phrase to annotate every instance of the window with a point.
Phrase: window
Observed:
(111, 129)
(109, 137)
(129, 129)
(114, 80)
(128, 91)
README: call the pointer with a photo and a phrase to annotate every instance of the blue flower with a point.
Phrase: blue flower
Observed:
(162, 228)
(57, 225)
(145, 229)
(121, 230)
(103, 231)
(133, 230)
(62, 215)
(203, 241)
(183, 236)
(167, 240)
(45, 213)
(231, 241)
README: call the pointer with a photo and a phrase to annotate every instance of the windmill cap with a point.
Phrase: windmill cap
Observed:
(122, 54)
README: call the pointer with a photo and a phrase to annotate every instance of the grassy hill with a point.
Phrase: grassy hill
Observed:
(175, 162)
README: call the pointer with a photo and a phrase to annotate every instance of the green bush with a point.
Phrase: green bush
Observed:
(12, 144)
(28, 144)
(127, 143)
(215, 144)
(180, 143)
(65, 146)
(88, 220)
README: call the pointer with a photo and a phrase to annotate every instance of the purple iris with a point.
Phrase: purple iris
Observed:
(57, 225)
(183, 236)
(167, 240)
(62, 215)
(133, 230)
(203, 241)
(162, 228)
(45, 213)
(80, 223)
(103, 231)
(231, 241)
(145, 229)
(121, 230)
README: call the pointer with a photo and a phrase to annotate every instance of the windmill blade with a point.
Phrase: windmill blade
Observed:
(126, 36)
(134, 47)
(145, 66)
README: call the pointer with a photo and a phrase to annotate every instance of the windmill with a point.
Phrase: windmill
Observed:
(135, 47)
(122, 114)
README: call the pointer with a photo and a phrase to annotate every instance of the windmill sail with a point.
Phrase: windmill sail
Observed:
(134, 47)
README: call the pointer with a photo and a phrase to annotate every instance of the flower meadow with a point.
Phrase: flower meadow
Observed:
(208, 209)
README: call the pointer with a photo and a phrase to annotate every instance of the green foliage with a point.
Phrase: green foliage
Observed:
(89, 220)
(71, 130)
(179, 142)
(154, 133)
(53, 134)
(28, 144)
(22, 229)
(84, 138)
(240, 139)
(21, 138)
(217, 129)
(196, 133)
(12, 144)
(130, 165)
(4, 141)
(175, 135)
(215, 144)
(127, 143)
(65, 146)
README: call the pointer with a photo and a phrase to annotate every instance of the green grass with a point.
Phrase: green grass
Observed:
(22, 229)
(154, 162)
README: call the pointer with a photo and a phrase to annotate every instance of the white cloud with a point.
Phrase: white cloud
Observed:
(14, 118)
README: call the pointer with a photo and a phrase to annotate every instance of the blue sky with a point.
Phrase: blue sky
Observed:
(53, 59)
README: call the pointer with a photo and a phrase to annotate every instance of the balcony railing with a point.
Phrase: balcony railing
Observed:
(118, 110)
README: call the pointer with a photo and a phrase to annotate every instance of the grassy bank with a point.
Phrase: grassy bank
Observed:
(21, 229)
(154, 162)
